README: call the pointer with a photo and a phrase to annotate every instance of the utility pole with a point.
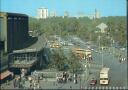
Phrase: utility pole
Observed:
(86, 66)
(102, 28)
(102, 58)
(101, 51)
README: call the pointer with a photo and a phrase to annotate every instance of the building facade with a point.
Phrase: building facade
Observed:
(97, 14)
(52, 14)
(42, 13)
(13, 30)
(66, 14)
(13, 34)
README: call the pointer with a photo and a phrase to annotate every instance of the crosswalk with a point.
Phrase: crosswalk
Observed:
(105, 88)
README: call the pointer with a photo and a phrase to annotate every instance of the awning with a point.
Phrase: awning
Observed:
(5, 74)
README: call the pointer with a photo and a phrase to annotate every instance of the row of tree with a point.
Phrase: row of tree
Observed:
(84, 28)
(63, 63)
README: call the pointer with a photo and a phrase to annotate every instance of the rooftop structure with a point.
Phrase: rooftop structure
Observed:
(102, 27)
(104, 70)
(27, 57)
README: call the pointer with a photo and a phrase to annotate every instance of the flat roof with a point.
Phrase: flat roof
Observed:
(103, 70)
(13, 14)
(39, 45)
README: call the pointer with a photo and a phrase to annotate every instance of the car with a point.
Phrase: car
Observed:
(123, 49)
(93, 81)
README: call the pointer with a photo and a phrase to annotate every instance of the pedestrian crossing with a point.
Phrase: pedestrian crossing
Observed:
(105, 88)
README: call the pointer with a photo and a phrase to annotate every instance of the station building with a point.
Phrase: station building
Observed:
(18, 50)
(13, 31)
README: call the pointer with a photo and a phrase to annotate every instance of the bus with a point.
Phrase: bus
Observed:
(104, 76)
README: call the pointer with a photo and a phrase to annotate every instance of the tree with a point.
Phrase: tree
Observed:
(58, 60)
(82, 27)
(74, 63)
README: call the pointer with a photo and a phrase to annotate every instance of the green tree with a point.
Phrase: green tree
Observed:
(58, 60)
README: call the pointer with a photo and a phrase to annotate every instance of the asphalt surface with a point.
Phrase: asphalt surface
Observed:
(118, 71)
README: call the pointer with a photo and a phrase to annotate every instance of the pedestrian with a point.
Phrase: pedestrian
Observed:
(120, 60)
(14, 83)
(70, 87)
(38, 86)
(81, 87)
(53, 83)
(7, 83)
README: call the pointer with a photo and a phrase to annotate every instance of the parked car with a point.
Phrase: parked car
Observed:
(93, 81)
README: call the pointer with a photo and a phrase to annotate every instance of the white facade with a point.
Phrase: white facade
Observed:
(91, 16)
(52, 14)
(104, 76)
(42, 13)
(66, 14)
(102, 27)
(97, 14)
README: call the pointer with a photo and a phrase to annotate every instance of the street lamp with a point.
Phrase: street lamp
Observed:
(102, 28)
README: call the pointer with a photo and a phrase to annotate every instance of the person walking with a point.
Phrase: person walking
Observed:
(14, 83)
(70, 87)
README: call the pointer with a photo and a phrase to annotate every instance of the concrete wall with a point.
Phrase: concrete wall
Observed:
(3, 61)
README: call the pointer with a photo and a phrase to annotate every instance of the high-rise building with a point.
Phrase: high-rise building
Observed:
(81, 14)
(66, 14)
(97, 14)
(13, 34)
(91, 16)
(13, 30)
(42, 13)
(52, 14)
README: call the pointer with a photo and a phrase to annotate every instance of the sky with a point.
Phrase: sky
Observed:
(29, 7)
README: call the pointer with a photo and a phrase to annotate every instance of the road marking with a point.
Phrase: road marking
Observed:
(123, 87)
(120, 87)
(96, 88)
(103, 87)
(106, 87)
(117, 88)
(114, 88)
(99, 87)
(86, 88)
(92, 88)
(89, 88)
(110, 87)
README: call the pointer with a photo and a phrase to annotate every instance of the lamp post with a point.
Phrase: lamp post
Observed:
(102, 28)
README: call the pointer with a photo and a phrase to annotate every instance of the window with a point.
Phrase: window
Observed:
(103, 78)
(15, 18)
(9, 18)
(19, 18)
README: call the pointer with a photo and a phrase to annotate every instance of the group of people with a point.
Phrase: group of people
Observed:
(66, 77)
(63, 78)
(121, 59)
(17, 82)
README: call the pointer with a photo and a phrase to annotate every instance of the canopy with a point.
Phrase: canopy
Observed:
(5, 74)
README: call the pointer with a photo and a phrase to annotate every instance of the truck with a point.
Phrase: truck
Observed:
(104, 76)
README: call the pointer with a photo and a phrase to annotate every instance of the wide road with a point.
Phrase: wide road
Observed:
(118, 71)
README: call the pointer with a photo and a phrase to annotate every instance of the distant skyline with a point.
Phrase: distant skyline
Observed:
(29, 7)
